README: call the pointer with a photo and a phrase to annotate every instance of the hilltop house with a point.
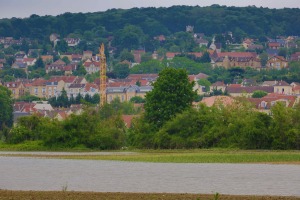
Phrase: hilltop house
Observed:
(235, 59)
(277, 62)
(56, 66)
(17, 89)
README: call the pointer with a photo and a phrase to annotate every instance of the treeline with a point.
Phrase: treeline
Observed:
(151, 22)
(235, 126)
(64, 101)
(95, 129)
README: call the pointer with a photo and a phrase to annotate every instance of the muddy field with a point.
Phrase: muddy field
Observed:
(66, 195)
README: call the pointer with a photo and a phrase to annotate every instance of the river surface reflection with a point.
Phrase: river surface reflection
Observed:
(112, 176)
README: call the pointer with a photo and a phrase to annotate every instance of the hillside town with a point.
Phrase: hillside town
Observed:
(61, 69)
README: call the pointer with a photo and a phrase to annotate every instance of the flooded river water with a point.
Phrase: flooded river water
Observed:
(113, 176)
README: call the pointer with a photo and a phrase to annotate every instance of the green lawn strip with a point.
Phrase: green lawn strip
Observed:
(284, 157)
(202, 158)
(166, 156)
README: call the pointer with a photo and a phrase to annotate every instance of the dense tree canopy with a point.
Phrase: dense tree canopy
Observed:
(139, 22)
(172, 94)
(6, 108)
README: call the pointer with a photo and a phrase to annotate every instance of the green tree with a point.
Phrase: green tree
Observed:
(263, 59)
(121, 70)
(172, 94)
(152, 66)
(78, 98)
(39, 64)
(28, 98)
(259, 94)
(146, 57)
(62, 46)
(282, 127)
(137, 99)
(8, 78)
(205, 83)
(205, 58)
(95, 99)
(6, 107)
(80, 71)
(126, 55)
(66, 60)
(282, 52)
(63, 100)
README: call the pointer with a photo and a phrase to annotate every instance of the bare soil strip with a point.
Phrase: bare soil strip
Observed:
(66, 195)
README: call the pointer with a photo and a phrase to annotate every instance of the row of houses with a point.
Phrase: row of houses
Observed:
(43, 109)
(263, 104)
(135, 85)
(278, 87)
(124, 89)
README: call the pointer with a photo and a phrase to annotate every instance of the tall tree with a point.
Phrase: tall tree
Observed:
(39, 64)
(121, 70)
(172, 94)
(6, 108)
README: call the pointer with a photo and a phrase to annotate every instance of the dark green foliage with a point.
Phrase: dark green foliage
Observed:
(205, 58)
(137, 99)
(64, 101)
(126, 55)
(142, 22)
(66, 60)
(205, 83)
(80, 71)
(62, 46)
(121, 70)
(238, 126)
(6, 108)
(259, 94)
(16, 73)
(28, 98)
(172, 94)
(39, 64)
(149, 67)
(87, 129)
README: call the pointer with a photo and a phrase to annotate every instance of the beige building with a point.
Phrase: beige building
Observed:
(277, 62)
(17, 89)
(87, 55)
(126, 93)
(282, 87)
(235, 59)
(218, 86)
(38, 88)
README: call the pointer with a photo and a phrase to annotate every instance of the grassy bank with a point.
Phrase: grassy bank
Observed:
(201, 156)
(63, 195)
(36, 146)
(187, 156)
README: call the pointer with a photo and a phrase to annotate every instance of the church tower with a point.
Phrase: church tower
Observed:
(102, 75)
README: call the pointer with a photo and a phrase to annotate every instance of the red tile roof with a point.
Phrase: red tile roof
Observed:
(218, 83)
(88, 86)
(277, 97)
(39, 82)
(128, 120)
(274, 44)
(237, 54)
(66, 79)
(223, 100)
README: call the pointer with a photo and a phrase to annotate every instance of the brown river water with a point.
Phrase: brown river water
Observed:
(20, 173)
